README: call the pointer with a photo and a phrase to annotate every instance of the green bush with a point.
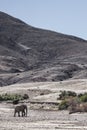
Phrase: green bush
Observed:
(71, 93)
(5, 97)
(66, 94)
(83, 97)
(79, 95)
(63, 105)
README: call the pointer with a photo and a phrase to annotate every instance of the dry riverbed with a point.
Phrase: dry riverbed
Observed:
(43, 113)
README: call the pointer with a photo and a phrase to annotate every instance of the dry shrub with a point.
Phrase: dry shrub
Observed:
(42, 93)
(16, 101)
(82, 107)
(73, 102)
(68, 103)
(25, 96)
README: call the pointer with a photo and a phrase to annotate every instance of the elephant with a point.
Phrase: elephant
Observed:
(22, 109)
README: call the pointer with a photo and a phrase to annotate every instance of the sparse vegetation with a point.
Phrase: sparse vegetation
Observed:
(12, 97)
(71, 99)
(66, 94)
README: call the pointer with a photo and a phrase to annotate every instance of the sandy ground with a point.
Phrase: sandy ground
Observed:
(43, 113)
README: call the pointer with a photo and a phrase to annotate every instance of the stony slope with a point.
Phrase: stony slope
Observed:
(31, 54)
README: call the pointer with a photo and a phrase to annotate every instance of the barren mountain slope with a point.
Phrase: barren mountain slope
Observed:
(31, 54)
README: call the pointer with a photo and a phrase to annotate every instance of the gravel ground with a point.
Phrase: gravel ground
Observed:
(41, 120)
(43, 115)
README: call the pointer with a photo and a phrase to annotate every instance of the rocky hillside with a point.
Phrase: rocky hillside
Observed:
(31, 54)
